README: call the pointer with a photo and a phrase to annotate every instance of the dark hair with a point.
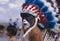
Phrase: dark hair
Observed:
(1, 27)
(12, 30)
(30, 18)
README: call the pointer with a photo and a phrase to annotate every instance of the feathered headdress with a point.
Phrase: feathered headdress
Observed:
(39, 6)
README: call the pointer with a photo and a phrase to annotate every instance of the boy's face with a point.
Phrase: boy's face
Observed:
(27, 20)
(25, 23)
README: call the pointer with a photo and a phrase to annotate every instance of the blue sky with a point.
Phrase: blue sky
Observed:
(10, 9)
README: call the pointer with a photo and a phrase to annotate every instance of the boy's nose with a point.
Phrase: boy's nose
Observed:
(24, 20)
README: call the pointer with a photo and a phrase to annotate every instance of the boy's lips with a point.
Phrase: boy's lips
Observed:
(24, 24)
